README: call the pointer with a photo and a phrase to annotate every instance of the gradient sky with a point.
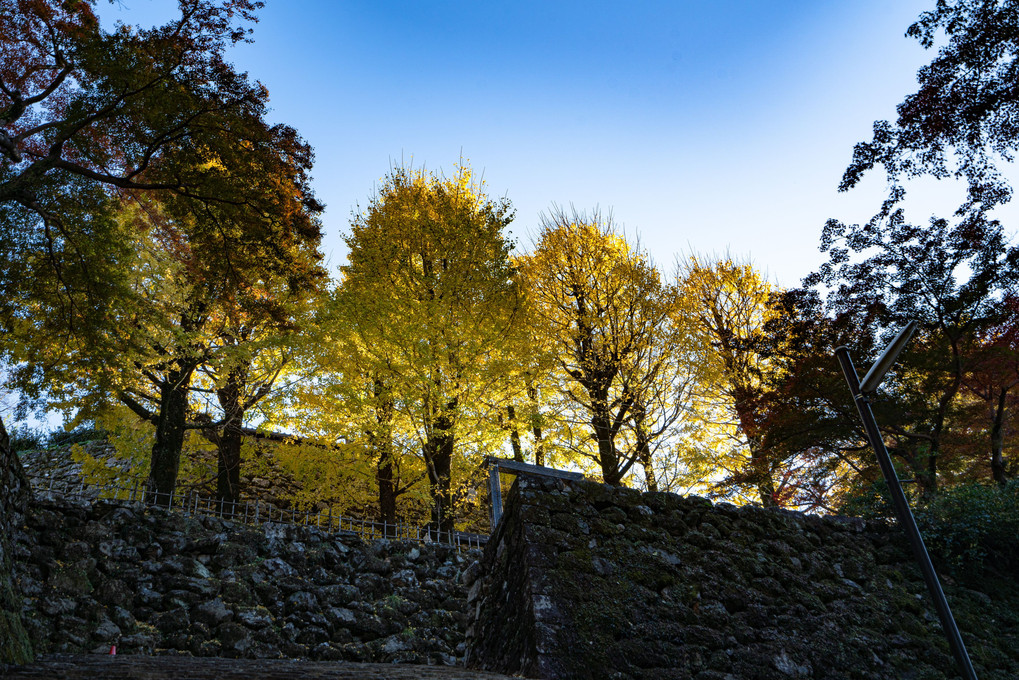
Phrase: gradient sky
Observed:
(703, 126)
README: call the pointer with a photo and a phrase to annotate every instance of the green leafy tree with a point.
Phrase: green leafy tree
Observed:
(961, 121)
(235, 329)
(990, 383)
(952, 280)
(89, 117)
(184, 313)
(353, 403)
(85, 113)
(807, 418)
(253, 350)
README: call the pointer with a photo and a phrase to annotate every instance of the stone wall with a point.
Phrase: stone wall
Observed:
(152, 581)
(583, 580)
(14, 493)
(262, 478)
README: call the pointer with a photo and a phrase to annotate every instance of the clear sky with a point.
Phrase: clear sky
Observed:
(703, 126)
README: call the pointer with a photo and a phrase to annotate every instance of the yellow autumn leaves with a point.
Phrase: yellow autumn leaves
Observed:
(580, 353)
(439, 345)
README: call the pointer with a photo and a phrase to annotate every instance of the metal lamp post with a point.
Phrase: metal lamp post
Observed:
(902, 511)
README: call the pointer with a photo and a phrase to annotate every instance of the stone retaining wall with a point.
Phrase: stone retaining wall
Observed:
(152, 581)
(57, 464)
(14, 493)
(584, 580)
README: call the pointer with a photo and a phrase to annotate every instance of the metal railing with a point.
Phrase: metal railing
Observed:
(256, 512)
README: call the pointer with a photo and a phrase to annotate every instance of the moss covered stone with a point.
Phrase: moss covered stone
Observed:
(14, 492)
(661, 586)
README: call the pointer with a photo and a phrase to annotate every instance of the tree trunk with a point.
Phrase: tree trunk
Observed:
(765, 484)
(922, 465)
(439, 458)
(539, 446)
(608, 458)
(927, 479)
(998, 439)
(228, 467)
(387, 486)
(644, 452)
(644, 456)
(511, 415)
(170, 427)
(760, 461)
(382, 442)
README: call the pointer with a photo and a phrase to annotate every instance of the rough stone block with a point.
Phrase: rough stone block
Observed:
(668, 587)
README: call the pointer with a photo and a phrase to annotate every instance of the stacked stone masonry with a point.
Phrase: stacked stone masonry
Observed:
(271, 485)
(158, 582)
(14, 495)
(581, 580)
(587, 581)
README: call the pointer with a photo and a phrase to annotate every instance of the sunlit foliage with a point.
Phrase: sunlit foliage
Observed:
(427, 305)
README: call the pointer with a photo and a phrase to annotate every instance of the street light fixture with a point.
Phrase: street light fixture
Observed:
(902, 512)
(877, 372)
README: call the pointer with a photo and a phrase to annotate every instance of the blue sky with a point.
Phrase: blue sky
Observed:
(702, 126)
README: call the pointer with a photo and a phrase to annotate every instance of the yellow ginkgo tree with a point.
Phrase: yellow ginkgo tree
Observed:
(607, 316)
(724, 304)
(430, 298)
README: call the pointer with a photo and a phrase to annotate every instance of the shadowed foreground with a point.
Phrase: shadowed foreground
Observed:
(584, 581)
(137, 667)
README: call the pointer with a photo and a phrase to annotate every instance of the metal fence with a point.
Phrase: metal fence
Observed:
(255, 512)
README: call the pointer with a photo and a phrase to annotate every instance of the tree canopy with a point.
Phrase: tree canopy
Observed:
(957, 278)
(604, 312)
(430, 297)
(963, 120)
(115, 145)
(160, 269)
(89, 117)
